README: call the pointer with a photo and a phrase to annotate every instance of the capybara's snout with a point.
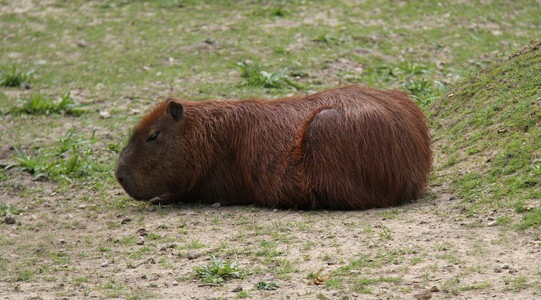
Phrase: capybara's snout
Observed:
(123, 177)
(120, 174)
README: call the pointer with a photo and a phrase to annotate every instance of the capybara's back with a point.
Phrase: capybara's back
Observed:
(347, 148)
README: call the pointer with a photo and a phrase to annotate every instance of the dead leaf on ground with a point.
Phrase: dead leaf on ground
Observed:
(319, 280)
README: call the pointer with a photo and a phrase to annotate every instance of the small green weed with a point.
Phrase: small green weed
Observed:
(361, 283)
(325, 39)
(7, 209)
(11, 77)
(278, 12)
(33, 166)
(194, 244)
(25, 275)
(424, 92)
(532, 218)
(243, 294)
(385, 233)
(409, 68)
(72, 158)
(262, 285)
(219, 271)
(536, 167)
(38, 104)
(388, 214)
(254, 76)
(516, 284)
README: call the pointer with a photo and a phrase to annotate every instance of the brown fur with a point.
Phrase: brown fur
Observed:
(348, 148)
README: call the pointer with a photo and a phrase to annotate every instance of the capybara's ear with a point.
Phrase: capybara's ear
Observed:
(175, 110)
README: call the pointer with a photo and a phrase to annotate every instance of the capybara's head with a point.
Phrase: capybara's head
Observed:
(152, 163)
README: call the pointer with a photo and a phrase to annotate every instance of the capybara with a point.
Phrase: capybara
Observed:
(352, 147)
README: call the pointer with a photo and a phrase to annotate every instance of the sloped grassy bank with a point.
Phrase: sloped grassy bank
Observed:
(487, 140)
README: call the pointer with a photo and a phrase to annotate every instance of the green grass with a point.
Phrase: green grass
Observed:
(11, 77)
(263, 285)
(493, 113)
(38, 104)
(9, 209)
(219, 271)
(254, 76)
(72, 158)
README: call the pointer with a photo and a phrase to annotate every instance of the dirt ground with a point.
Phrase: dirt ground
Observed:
(75, 249)
(93, 242)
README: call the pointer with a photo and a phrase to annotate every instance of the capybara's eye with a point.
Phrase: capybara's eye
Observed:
(153, 136)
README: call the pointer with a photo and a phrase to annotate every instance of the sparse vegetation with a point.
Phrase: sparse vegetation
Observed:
(72, 158)
(12, 77)
(218, 271)
(254, 76)
(8, 209)
(262, 285)
(69, 231)
(38, 104)
(500, 130)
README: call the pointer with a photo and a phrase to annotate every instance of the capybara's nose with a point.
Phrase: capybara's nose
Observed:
(120, 174)
(120, 179)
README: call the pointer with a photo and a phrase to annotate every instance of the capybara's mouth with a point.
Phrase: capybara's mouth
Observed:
(142, 197)
(139, 197)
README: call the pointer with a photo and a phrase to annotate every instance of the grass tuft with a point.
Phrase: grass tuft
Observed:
(6, 209)
(11, 77)
(532, 218)
(263, 285)
(71, 158)
(254, 76)
(219, 271)
(40, 105)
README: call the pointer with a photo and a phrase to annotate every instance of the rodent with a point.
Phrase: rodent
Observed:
(351, 147)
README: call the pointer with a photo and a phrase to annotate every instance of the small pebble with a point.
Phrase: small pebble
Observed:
(135, 111)
(174, 282)
(105, 114)
(492, 223)
(167, 247)
(434, 289)
(216, 205)
(237, 289)
(424, 295)
(497, 268)
(140, 240)
(104, 264)
(193, 254)
(505, 266)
